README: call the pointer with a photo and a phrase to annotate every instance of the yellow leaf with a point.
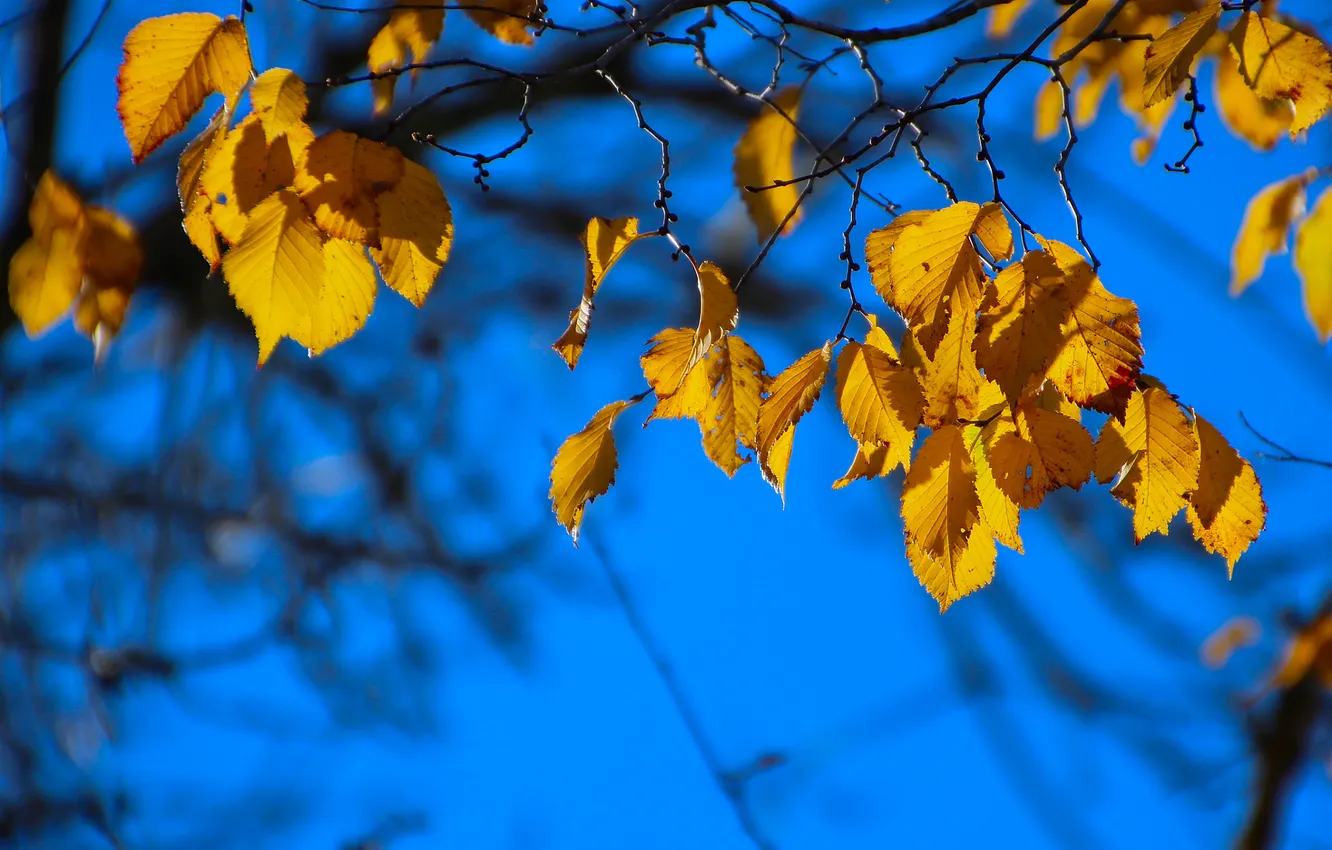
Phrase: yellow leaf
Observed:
(940, 506)
(717, 310)
(879, 247)
(279, 100)
(1003, 17)
(340, 178)
(244, 171)
(46, 272)
(1132, 89)
(171, 65)
(276, 270)
(1281, 63)
(1258, 121)
(953, 575)
(99, 314)
(584, 468)
(950, 379)
(735, 384)
(880, 401)
(194, 200)
(1102, 353)
(416, 233)
(936, 270)
(1235, 633)
(1021, 321)
(1169, 57)
(874, 461)
(680, 395)
(114, 257)
(1308, 652)
(1155, 454)
(408, 29)
(1227, 510)
(764, 155)
(387, 52)
(792, 394)
(508, 21)
(1313, 263)
(1043, 452)
(1049, 110)
(1267, 221)
(604, 241)
(998, 512)
(345, 298)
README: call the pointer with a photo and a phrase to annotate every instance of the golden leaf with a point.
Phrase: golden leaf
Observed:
(951, 576)
(874, 461)
(1266, 225)
(243, 171)
(880, 401)
(1003, 17)
(765, 155)
(340, 179)
(1313, 263)
(171, 65)
(279, 100)
(718, 313)
(936, 270)
(879, 247)
(1258, 121)
(1041, 453)
(276, 269)
(1309, 652)
(1155, 454)
(1021, 321)
(950, 379)
(680, 394)
(791, 396)
(1279, 62)
(344, 300)
(604, 241)
(46, 272)
(114, 257)
(1169, 57)
(998, 512)
(1049, 111)
(194, 200)
(584, 468)
(508, 21)
(408, 29)
(416, 233)
(940, 506)
(735, 385)
(1227, 510)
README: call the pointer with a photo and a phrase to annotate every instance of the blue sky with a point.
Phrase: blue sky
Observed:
(1063, 706)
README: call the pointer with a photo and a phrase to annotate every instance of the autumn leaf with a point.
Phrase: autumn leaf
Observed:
(114, 259)
(936, 270)
(604, 241)
(194, 200)
(765, 155)
(1279, 62)
(950, 379)
(1226, 510)
(1169, 57)
(953, 575)
(998, 512)
(1042, 452)
(416, 233)
(880, 401)
(736, 381)
(584, 467)
(791, 395)
(682, 391)
(340, 178)
(409, 30)
(1049, 111)
(717, 311)
(941, 511)
(879, 251)
(1004, 17)
(1021, 323)
(1259, 121)
(344, 300)
(276, 269)
(171, 65)
(279, 101)
(1155, 455)
(508, 21)
(1313, 263)
(46, 272)
(1266, 225)
(243, 171)
(1309, 652)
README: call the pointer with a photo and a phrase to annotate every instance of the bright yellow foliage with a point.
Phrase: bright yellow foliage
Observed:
(416, 233)
(409, 30)
(279, 100)
(1169, 57)
(171, 65)
(244, 170)
(584, 467)
(1020, 330)
(765, 155)
(998, 512)
(604, 241)
(792, 394)
(1282, 63)
(718, 310)
(950, 548)
(880, 402)
(951, 576)
(682, 391)
(1227, 510)
(1042, 452)
(344, 300)
(950, 379)
(1266, 227)
(1260, 122)
(879, 251)
(1004, 17)
(340, 178)
(1049, 111)
(1155, 454)
(508, 22)
(1313, 263)
(194, 200)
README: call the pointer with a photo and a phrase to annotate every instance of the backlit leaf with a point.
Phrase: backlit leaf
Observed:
(604, 242)
(998, 512)
(244, 171)
(1259, 121)
(340, 179)
(1049, 111)
(717, 311)
(1003, 17)
(792, 394)
(114, 260)
(345, 298)
(409, 30)
(880, 401)
(416, 233)
(276, 270)
(950, 379)
(679, 396)
(1021, 321)
(955, 574)
(584, 468)
(1313, 263)
(46, 272)
(508, 21)
(879, 247)
(764, 155)
(279, 100)
(1266, 225)
(171, 65)
(735, 381)
(1043, 452)
(1155, 454)
(1279, 62)
(1169, 57)
(940, 507)
(194, 200)
(1227, 510)
(875, 461)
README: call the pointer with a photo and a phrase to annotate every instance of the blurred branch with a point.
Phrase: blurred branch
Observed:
(1285, 454)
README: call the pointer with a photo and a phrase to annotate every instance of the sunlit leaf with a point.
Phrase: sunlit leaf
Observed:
(1041, 453)
(345, 298)
(1021, 323)
(243, 171)
(879, 247)
(1279, 62)
(507, 20)
(1313, 263)
(340, 179)
(46, 272)
(1170, 56)
(279, 101)
(416, 233)
(940, 507)
(791, 395)
(1049, 111)
(604, 241)
(1003, 17)
(1259, 121)
(735, 381)
(413, 29)
(584, 468)
(956, 573)
(998, 512)
(1266, 227)
(765, 155)
(1226, 510)
(950, 379)
(880, 400)
(717, 311)
(194, 200)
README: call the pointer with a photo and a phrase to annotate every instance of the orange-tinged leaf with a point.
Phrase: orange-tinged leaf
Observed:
(880, 401)
(879, 247)
(1279, 62)
(345, 298)
(680, 395)
(998, 512)
(950, 379)
(1313, 263)
(936, 270)
(1020, 323)
(584, 468)
(508, 21)
(276, 270)
(1227, 510)
(171, 65)
(46, 272)
(1266, 225)
(1102, 352)
(244, 171)
(1309, 652)
(413, 30)
(718, 313)
(1003, 17)
(1259, 121)
(1235, 633)
(940, 506)
(1043, 452)
(955, 574)
(604, 241)
(1170, 56)
(114, 256)
(735, 383)
(416, 233)
(279, 100)
(791, 396)
(341, 177)
(765, 155)
(1155, 454)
